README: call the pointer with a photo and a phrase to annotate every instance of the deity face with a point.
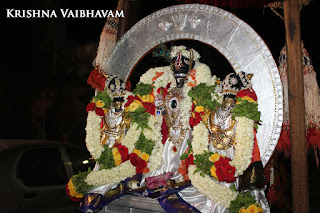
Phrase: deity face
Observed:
(181, 66)
(117, 104)
(228, 102)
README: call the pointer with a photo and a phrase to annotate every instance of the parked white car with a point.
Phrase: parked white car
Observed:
(34, 174)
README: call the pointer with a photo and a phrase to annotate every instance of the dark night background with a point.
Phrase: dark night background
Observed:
(45, 62)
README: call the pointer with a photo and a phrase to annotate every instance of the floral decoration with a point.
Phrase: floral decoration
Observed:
(211, 188)
(111, 176)
(141, 147)
(245, 202)
(76, 187)
(213, 167)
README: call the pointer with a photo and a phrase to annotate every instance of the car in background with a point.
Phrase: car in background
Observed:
(34, 174)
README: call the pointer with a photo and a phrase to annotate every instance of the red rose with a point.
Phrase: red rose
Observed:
(142, 163)
(134, 159)
(99, 111)
(90, 106)
(96, 79)
(123, 152)
(225, 171)
(139, 170)
(149, 107)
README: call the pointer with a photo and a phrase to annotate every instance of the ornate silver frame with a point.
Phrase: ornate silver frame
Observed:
(232, 37)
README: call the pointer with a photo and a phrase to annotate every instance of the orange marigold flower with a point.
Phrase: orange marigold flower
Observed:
(73, 191)
(138, 152)
(100, 104)
(242, 210)
(116, 155)
(260, 210)
(144, 156)
(199, 109)
(252, 209)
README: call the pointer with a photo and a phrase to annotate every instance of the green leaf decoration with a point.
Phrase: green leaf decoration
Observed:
(184, 156)
(244, 199)
(203, 163)
(103, 96)
(190, 146)
(142, 89)
(202, 94)
(247, 109)
(141, 117)
(144, 145)
(106, 160)
(78, 181)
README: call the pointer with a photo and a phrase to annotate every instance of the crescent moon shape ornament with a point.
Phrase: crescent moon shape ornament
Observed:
(232, 37)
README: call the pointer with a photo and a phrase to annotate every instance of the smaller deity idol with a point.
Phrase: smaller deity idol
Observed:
(220, 123)
(115, 122)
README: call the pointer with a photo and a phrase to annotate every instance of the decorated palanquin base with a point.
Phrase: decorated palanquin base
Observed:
(182, 136)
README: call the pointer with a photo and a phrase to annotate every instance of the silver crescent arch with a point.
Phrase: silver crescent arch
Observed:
(232, 37)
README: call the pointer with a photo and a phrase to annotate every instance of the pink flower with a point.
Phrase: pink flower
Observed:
(157, 181)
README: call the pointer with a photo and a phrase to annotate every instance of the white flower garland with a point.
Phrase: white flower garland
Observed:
(131, 137)
(203, 73)
(186, 107)
(244, 142)
(93, 134)
(210, 188)
(111, 176)
(154, 134)
(200, 135)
